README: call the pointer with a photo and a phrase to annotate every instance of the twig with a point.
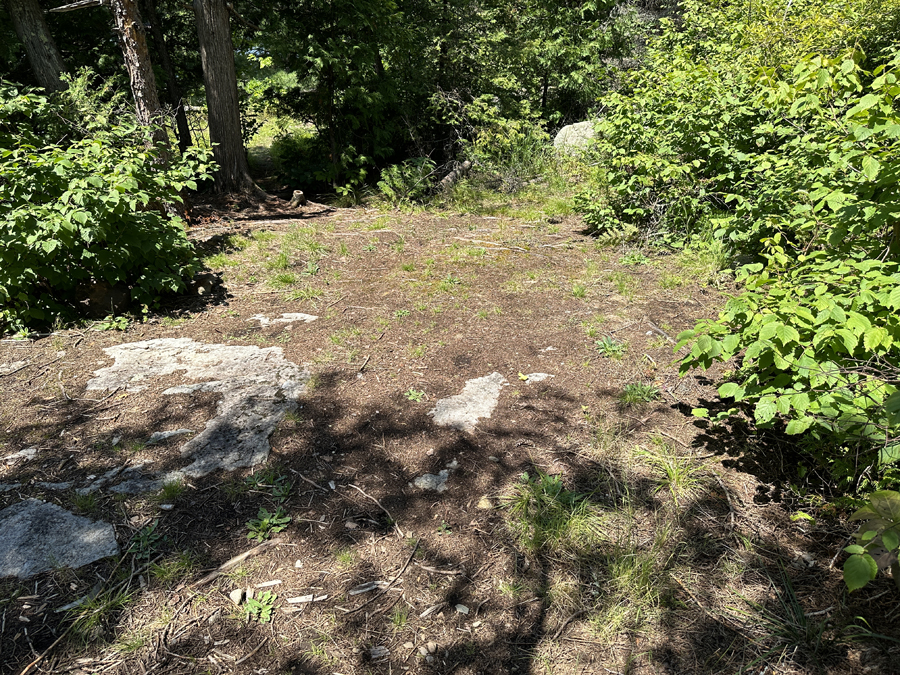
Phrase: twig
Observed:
(677, 440)
(567, 622)
(390, 583)
(839, 551)
(452, 573)
(13, 372)
(365, 363)
(228, 564)
(256, 649)
(307, 480)
(659, 330)
(393, 520)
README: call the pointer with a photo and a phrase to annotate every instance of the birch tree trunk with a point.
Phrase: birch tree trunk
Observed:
(43, 56)
(220, 80)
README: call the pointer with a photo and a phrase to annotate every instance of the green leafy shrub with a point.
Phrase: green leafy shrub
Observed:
(410, 181)
(83, 211)
(817, 328)
(877, 540)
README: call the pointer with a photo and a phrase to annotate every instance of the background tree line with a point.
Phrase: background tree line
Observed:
(377, 81)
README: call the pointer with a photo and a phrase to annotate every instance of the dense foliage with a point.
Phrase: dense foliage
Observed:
(84, 202)
(736, 134)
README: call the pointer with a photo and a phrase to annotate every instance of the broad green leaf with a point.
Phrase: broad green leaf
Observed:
(870, 167)
(889, 454)
(798, 426)
(887, 504)
(858, 571)
(765, 411)
(892, 408)
(854, 549)
(731, 390)
(874, 337)
(890, 539)
(800, 402)
(787, 334)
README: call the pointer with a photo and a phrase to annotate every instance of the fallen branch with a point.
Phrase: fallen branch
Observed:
(228, 564)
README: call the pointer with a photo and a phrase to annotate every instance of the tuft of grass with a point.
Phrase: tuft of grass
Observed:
(611, 348)
(579, 290)
(637, 393)
(681, 476)
(634, 258)
(308, 293)
(399, 618)
(94, 617)
(174, 568)
(545, 515)
(345, 557)
(170, 492)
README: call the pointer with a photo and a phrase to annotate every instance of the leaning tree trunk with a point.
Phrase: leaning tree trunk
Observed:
(220, 80)
(137, 59)
(43, 56)
(173, 91)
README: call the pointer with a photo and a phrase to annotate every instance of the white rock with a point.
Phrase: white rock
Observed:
(159, 436)
(477, 400)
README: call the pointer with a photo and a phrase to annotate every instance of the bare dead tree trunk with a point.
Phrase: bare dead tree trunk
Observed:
(43, 56)
(220, 81)
(137, 60)
(173, 91)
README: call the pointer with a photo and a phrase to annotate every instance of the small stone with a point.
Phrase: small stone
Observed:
(429, 659)
(408, 645)
(167, 507)
(476, 624)
(236, 596)
(432, 647)
(462, 609)
(298, 564)
(350, 525)
(423, 651)
(485, 504)
(429, 452)
(491, 458)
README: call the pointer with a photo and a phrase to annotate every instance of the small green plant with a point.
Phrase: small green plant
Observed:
(633, 258)
(408, 267)
(312, 268)
(611, 348)
(444, 528)
(260, 607)
(877, 540)
(146, 541)
(267, 523)
(448, 283)
(400, 313)
(417, 351)
(400, 617)
(415, 395)
(345, 557)
(579, 290)
(636, 393)
(112, 323)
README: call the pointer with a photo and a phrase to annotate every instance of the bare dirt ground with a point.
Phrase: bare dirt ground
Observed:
(663, 547)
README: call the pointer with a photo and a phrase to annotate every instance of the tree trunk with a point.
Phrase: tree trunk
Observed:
(130, 30)
(173, 91)
(43, 56)
(220, 81)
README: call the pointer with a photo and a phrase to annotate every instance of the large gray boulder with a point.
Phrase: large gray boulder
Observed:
(575, 139)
